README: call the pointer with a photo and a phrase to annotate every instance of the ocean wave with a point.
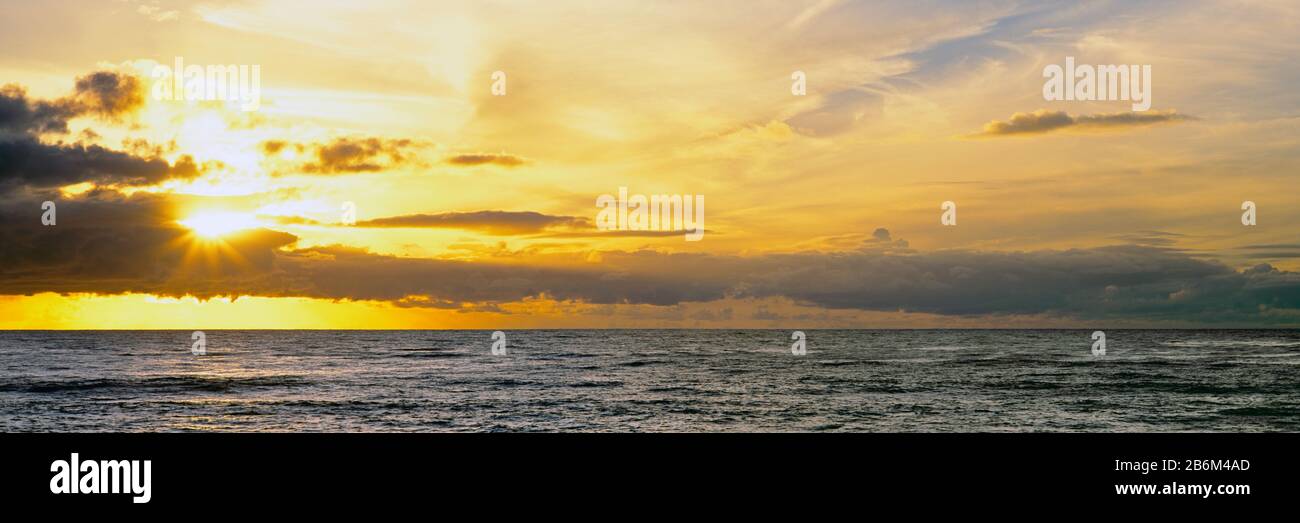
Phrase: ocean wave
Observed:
(585, 384)
(641, 363)
(1138, 387)
(1281, 344)
(428, 353)
(1262, 411)
(179, 383)
(657, 381)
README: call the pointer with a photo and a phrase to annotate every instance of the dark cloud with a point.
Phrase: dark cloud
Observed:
(1270, 246)
(881, 240)
(1272, 251)
(98, 207)
(28, 161)
(597, 233)
(108, 94)
(108, 243)
(113, 244)
(348, 155)
(1044, 121)
(105, 94)
(364, 155)
(275, 146)
(21, 115)
(504, 223)
(491, 222)
(467, 160)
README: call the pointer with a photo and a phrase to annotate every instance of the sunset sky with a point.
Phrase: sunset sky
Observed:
(477, 211)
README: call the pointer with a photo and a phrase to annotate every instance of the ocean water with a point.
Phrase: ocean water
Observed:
(651, 380)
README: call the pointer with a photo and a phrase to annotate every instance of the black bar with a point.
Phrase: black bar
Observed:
(363, 470)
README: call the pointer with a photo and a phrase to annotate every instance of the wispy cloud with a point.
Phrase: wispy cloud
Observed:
(491, 222)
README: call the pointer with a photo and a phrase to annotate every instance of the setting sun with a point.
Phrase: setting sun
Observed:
(217, 224)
